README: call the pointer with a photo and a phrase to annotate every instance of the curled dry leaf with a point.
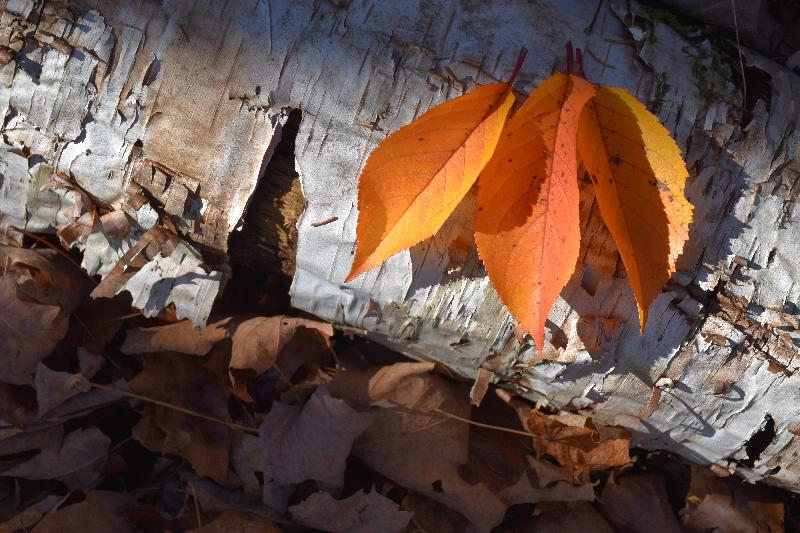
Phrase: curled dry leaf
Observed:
(28, 333)
(579, 449)
(526, 221)
(258, 344)
(282, 341)
(189, 383)
(39, 289)
(360, 513)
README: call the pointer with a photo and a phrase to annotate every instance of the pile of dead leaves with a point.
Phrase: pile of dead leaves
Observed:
(113, 422)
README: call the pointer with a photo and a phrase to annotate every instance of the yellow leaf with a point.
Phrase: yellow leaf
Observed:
(417, 176)
(639, 176)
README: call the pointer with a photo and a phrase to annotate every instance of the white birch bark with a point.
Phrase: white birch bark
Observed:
(172, 109)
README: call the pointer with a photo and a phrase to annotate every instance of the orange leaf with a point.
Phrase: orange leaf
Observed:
(639, 176)
(526, 224)
(417, 176)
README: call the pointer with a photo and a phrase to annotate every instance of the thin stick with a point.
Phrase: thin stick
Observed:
(588, 29)
(53, 246)
(482, 425)
(184, 410)
(196, 506)
(123, 317)
(739, 48)
(451, 416)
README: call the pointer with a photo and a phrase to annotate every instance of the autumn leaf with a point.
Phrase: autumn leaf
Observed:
(639, 177)
(526, 223)
(527, 226)
(417, 176)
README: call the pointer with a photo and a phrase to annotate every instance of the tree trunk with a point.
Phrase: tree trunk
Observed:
(171, 111)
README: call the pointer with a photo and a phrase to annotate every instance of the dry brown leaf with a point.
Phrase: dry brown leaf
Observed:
(412, 446)
(104, 511)
(583, 518)
(360, 513)
(238, 522)
(258, 344)
(28, 333)
(502, 461)
(431, 516)
(181, 337)
(101, 319)
(54, 388)
(49, 438)
(645, 492)
(39, 289)
(247, 463)
(45, 277)
(579, 449)
(187, 382)
(367, 387)
(30, 516)
(728, 505)
(282, 341)
(78, 462)
(17, 404)
(311, 441)
(100, 511)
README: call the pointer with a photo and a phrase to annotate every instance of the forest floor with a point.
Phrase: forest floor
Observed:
(274, 421)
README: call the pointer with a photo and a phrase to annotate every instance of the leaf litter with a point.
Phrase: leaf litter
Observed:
(113, 421)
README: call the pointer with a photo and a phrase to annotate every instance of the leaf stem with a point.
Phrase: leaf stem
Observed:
(520, 60)
(570, 55)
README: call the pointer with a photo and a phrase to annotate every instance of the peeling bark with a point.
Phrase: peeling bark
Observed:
(170, 112)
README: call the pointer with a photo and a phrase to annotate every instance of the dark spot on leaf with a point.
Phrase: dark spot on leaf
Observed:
(617, 160)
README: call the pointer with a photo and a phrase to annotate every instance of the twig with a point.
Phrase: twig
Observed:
(184, 410)
(451, 416)
(111, 450)
(54, 247)
(482, 425)
(588, 29)
(593, 56)
(196, 506)
(123, 317)
(324, 222)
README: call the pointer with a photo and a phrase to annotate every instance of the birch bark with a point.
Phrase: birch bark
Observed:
(170, 111)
